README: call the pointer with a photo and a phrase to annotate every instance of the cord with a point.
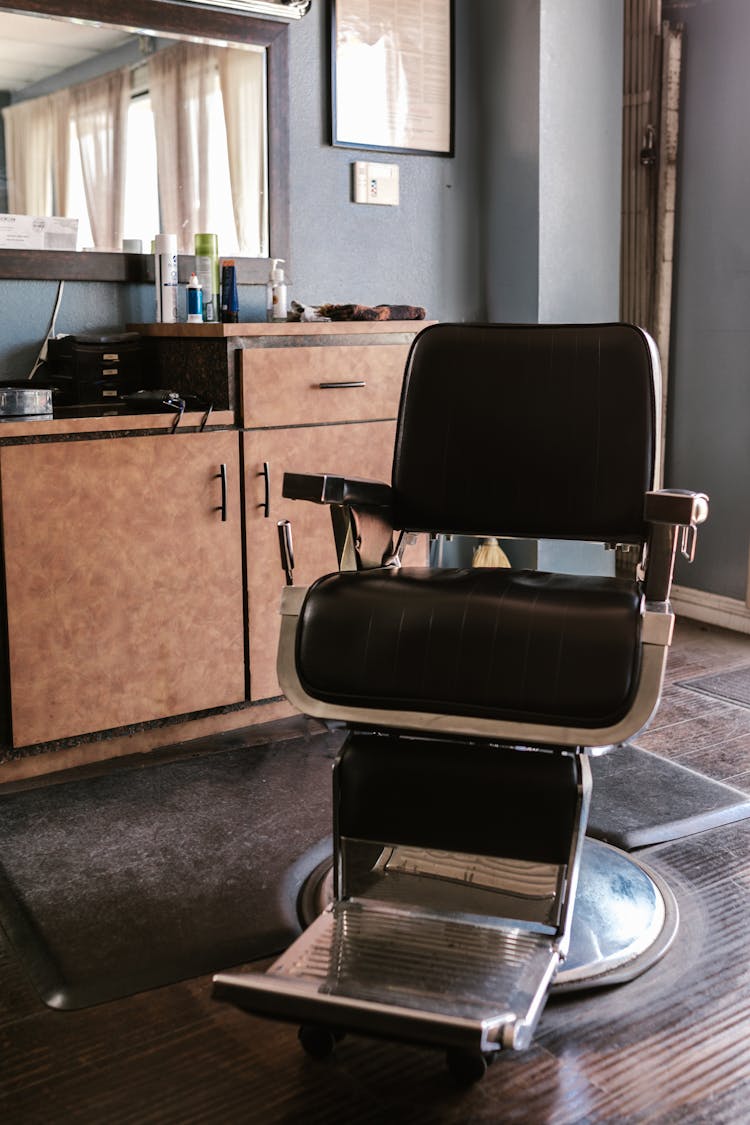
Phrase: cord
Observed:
(40, 359)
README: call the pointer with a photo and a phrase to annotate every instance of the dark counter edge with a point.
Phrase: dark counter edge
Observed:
(93, 265)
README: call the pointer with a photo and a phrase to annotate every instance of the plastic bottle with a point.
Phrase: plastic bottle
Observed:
(194, 301)
(207, 271)
(165, 271)
(229, 298)
(276, 292)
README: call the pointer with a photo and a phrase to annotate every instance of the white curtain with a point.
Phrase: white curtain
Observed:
(242, 77)
(196, 91)
(180, 81)
(36, 152)
(98, 111)
(61, 101)
(186, 82)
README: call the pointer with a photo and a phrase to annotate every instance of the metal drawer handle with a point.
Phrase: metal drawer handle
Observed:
(266, 502)
(345, 383)
(222, 474)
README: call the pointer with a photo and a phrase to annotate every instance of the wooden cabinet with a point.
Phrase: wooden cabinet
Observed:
(123, 581)
(128, 598)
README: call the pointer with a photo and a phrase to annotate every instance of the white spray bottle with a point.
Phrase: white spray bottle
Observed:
(165, 272)
(276, 292)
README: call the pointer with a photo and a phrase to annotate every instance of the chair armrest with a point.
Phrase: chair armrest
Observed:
(670, 512)
(325, 488)
(360, 515)
(676, 506)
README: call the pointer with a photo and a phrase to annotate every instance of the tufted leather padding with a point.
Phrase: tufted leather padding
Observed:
(526, 430)
(496, 643)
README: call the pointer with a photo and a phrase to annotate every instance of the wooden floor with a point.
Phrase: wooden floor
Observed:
(672, 1046)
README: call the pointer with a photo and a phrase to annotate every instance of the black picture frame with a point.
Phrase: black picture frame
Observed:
(430, 113)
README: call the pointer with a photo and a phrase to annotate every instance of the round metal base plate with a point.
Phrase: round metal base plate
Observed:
(625, 917)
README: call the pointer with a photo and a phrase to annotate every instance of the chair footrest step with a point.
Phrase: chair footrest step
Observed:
(372, 968)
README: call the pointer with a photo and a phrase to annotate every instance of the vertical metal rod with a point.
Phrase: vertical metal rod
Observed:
(287, 550)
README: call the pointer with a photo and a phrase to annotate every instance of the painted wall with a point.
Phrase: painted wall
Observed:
(580, 146)
(708, 444)
(509, 111)
(423, 252)
(551, 110)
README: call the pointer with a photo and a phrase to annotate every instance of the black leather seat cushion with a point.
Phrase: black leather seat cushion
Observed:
(495, 643)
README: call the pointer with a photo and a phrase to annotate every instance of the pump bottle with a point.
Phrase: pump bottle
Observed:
(276, 292)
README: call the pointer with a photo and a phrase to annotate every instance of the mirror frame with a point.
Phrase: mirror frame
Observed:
(168, 17)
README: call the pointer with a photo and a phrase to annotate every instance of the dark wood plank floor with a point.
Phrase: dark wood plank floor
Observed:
(672, 1046)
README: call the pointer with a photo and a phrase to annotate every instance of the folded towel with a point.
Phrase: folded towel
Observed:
(376, 312)
(306, 313)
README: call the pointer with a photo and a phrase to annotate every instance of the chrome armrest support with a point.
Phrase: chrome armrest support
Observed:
(360, 515)
(670, 512)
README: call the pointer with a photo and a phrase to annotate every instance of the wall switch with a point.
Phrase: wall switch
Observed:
(375, 183)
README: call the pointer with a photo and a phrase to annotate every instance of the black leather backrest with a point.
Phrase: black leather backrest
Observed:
(527, 430)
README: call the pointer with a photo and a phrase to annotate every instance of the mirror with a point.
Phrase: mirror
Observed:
(163, 22)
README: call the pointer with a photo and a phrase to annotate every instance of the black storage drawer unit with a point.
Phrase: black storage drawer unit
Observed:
(94, 369)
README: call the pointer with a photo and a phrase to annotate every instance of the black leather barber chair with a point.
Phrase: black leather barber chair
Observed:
(463, 886)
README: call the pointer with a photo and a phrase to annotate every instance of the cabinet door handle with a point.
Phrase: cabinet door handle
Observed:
(266, 504)
(345, 383)
(222, 474)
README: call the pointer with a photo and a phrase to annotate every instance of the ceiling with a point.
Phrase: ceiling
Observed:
(33, 48)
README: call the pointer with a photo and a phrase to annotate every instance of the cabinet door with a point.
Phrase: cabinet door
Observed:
(363, 449)
(124, 584)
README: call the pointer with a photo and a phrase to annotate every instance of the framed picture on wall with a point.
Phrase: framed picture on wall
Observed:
(392, 75)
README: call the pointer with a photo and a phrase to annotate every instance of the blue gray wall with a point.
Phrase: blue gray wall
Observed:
(708, 441)
(423, 252)
(551, 112)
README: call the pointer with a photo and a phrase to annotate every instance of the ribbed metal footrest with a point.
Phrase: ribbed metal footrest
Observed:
(446, 981)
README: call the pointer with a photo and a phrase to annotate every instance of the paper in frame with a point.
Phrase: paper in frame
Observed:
(392, 75)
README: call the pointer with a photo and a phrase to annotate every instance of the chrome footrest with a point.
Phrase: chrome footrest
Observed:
(447, 981)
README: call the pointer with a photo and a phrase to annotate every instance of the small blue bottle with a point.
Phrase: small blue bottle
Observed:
(194, 301)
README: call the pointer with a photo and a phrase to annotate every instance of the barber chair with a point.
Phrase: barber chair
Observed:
(464, 887)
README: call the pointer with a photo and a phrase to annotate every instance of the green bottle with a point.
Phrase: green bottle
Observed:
(207, 272)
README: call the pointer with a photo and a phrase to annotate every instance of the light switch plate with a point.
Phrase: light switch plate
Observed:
(375, 183)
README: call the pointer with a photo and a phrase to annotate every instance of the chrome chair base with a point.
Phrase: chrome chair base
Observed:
(624, 921)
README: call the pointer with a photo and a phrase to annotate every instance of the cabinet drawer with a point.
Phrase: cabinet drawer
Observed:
(292, 386)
